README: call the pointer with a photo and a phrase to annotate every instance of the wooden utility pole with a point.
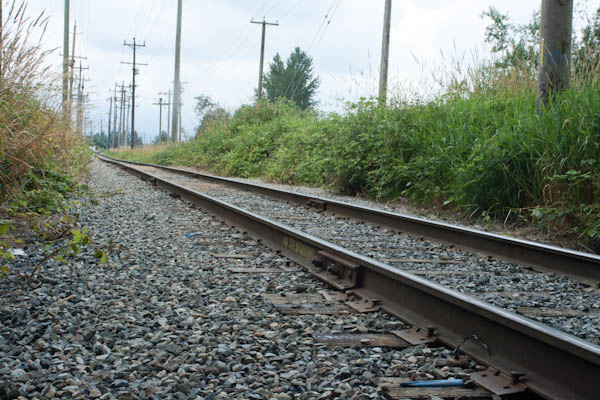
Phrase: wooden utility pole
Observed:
(65, 83)
(176, 78)
(109, 138)
(168, 103)
(72, 65)
(72, 68)
(262, 53)
(121, 110)
(134, 72)
(115, 130)
(126, 119)
(80, 98)
(385, 52)
(160, 105)
(181, 90)
(555, 52)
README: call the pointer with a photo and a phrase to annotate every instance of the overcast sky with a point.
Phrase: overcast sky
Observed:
(221, 48)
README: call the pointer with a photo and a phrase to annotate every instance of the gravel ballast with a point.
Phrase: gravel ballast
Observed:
(166, 318)
(554, 299)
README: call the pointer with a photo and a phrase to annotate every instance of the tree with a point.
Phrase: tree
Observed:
(293, 80)
(586, 53)
(513, 44)
(163, 137)
(100, 140)
(139, 141)
(209, 113)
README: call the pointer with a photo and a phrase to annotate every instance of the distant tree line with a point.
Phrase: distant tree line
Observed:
(102, 141)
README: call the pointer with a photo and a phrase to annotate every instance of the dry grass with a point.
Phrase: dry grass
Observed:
(33, 136)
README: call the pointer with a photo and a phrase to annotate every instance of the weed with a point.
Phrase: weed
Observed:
(41, 158)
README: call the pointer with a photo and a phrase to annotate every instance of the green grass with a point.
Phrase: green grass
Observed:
(143, 154)
(486, 153)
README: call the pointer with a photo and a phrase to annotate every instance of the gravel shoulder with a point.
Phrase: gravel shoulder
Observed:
(528, 231)
(167, 318)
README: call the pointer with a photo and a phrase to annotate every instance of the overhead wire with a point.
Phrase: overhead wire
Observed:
(157, 19)
(165, 28)
(319, 41)
(261, 8)
(285, 14)
(146, 21)
(134, 26)
(273, 8)
(308, 50)
(234, 48)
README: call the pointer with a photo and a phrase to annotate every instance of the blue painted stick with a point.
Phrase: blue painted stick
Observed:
(435, 383)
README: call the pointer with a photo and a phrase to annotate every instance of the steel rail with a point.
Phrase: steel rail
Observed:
(581, 266)
(556, 365)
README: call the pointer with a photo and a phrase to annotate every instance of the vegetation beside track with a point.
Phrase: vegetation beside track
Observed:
(488, 154)
(42, 161)
(480, 147)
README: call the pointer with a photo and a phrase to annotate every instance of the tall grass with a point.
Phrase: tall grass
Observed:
(38, 151)
(34, 139)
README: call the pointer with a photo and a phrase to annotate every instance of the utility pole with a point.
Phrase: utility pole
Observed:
(109, 136)
(121, 109)
(385, 52)
(72, 64)
(179, 111)
(72, 68)
(160, 104)
(80, 99)
(115, 131)
(555, 51)
(126, 119)
(65, 83)
(133, 46)
(262, 53)
(168, 103)
(176, 78)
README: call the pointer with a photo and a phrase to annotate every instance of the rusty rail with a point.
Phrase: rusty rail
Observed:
(554, 364)
(581, 266)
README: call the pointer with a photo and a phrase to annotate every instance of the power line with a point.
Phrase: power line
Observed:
(292, 8)
(272, 8)
(233, 49)
(321, 25)
(157, 19)
(261, 8)
(163, 32)
(318, 42)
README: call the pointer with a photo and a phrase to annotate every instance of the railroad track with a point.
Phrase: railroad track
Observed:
(387, 271)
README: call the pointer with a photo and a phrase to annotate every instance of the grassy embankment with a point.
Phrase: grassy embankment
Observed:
(481, 148)
(144, 154)
(41, 159)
